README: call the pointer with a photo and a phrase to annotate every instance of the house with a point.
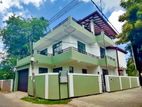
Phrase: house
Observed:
(85, 47)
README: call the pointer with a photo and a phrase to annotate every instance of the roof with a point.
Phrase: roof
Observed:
(116, 48)
(100, 23)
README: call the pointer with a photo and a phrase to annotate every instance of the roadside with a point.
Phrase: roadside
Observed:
(127, 98)
(14, 100)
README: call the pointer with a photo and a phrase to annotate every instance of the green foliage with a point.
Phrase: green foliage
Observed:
(131, 70)
(16, 36)
(44, 101)
(132, 29)
(6, 75)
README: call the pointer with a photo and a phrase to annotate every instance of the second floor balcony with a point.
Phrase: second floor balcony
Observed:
(66, 56)
(104, 40)
(107, 61)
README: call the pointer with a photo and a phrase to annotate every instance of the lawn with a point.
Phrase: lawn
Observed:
(44, 101)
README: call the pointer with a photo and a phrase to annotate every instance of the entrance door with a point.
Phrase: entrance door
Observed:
(23, 80)
(104, 72)
(57, 70)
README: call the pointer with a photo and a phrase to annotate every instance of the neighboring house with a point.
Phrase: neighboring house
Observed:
(86, 46)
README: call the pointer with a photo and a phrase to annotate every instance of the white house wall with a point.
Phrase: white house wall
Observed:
(122, 60)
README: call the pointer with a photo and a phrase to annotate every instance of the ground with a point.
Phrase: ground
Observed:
(127, 98)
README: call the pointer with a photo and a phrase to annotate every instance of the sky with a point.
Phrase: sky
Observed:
(48, 8)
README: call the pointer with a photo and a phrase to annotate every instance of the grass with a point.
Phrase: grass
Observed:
(44, 101)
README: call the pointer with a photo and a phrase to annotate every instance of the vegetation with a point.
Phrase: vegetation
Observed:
(132, 29)
(131, 70)
(44, 101)
(16, 36)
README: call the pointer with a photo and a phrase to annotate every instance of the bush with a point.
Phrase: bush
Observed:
(6, 74)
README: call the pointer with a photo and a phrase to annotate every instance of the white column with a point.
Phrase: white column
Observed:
(138, 82)
(92, 27)
(130, 82)
(107, 83)
(120, 82)
(71, 88)
(100, 83)
(11, 84)
(46, 86)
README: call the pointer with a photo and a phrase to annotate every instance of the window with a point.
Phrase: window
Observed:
(102, 52)
(84, 71)
(81, 47)
(71, 69)
(44, 52)
(57, 70)
(43, 70)
(57, 48)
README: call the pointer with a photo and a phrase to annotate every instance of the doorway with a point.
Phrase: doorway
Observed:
(104, 72)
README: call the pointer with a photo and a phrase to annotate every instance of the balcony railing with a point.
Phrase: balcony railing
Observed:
(109, 57)
(71, 48)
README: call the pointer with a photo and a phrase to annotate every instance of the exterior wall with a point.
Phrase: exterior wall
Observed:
(125, 82)
(39, 86)
(116, 83)
(70, 41)
(122, 60)
(86, 85)
(6, 85)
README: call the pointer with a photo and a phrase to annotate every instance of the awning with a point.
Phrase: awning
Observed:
(100, 24)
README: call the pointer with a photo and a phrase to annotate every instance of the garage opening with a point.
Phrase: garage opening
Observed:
(23, 80)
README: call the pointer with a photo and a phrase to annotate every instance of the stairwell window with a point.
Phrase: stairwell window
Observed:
(81, 47)
(102, 52)
(44, 52)
(57, 48)
(43, 70)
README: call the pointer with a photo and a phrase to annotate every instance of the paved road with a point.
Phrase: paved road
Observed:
(127, 98)
(13, 100)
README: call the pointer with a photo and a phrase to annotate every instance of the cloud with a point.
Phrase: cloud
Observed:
(36, 3)
(114, 19)
(107, 5)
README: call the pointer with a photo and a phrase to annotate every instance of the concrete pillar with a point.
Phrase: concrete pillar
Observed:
(92, 27)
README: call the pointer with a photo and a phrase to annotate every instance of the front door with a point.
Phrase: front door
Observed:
(23, 80)
(104, 72)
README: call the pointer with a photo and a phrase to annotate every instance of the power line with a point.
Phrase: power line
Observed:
(63, 11)
(104, 15)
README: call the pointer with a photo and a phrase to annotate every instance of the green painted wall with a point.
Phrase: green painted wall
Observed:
(134, 82)
(114, 83)
(125, 82)
(84, 58)
(16, 82)
(85, 85)
(64, 90)
(53, 87)
(64, 57)
(30, 86)
(40, 86)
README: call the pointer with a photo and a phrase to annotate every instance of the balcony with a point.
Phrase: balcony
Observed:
(107, 62)
(69, 55)
(72, 55)
(67, 27)
(104, 40)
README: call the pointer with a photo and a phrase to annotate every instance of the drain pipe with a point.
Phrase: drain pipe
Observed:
(117, 62)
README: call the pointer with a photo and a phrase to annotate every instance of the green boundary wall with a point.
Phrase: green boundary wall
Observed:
(125, 83)
(117, 83)
(85, 85)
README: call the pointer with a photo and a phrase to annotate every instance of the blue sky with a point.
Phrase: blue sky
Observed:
(48, 8)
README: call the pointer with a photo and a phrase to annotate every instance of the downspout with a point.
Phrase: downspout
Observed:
(117, 62)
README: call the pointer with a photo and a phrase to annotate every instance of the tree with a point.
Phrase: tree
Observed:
(131, 70)
(132, 29)
(16, 35)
